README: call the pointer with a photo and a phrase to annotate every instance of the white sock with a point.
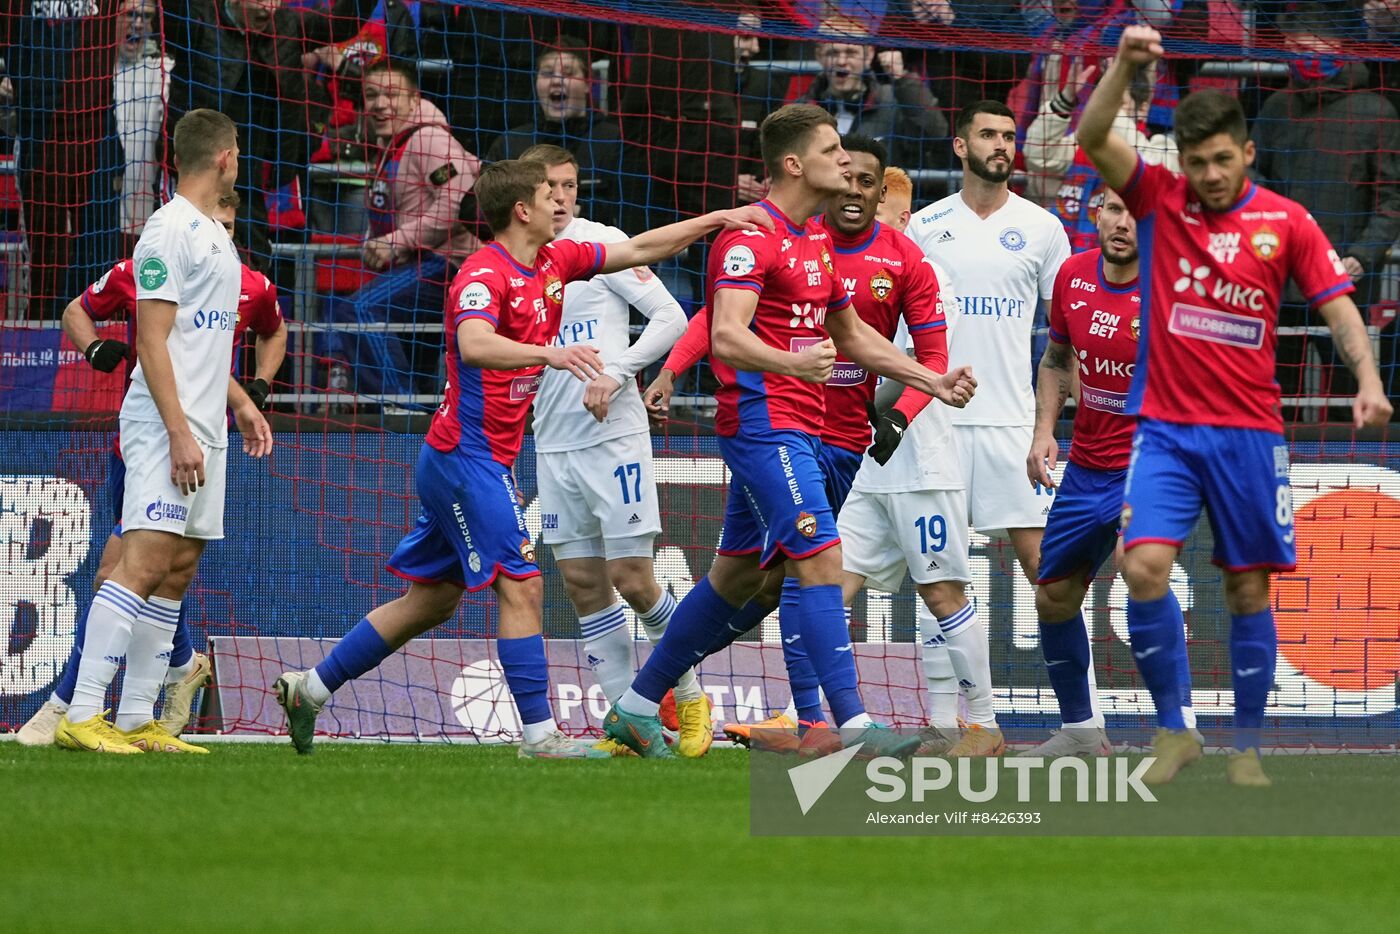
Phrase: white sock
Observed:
(538, 732)
(1096, 721)
(941, 679)
(316, 689)
(654, 622)
(114, 609)
(967, 648)
(1188, 716)
(790, 711)
(858, 722)
(634, 703)
(607, 647)
(152, 637)
(58, 702)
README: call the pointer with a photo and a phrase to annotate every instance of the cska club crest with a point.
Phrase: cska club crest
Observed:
(1264, 243)
(826, 263)
(881, 285)
(554, 289)
(1135, 326)
(807, 524)
(527, 550)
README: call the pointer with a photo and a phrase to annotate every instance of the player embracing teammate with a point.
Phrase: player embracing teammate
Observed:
(1209, 432)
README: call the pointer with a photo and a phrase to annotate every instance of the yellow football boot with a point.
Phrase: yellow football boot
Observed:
(697, 727)
(95, 734)
(1173, 751)
(152, 737)
(977, 742)
(1247, 769)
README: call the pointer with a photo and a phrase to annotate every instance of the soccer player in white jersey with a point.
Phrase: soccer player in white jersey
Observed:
(1002, 253)
(174, 436)
(597, 486)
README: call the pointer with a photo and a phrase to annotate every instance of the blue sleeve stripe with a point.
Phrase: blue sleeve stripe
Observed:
(1338, 289)
(598, 256)
(1138, 171)
(931, 326)
(1058, 338)
(484, 315)
(738, 284)
(844, 303)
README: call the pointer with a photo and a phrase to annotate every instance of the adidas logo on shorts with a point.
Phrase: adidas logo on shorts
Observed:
(634, 520)
(932, 565)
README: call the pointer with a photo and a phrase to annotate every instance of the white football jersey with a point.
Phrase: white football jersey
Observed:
(595, 313)
(927, 458)
(187, 258)
(1001, 268)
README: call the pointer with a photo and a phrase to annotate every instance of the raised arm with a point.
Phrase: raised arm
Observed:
(665, 242)
(1112, 155)
(1371, 407)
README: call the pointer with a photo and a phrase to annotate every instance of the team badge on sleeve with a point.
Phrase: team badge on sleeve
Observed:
(527, 550)
(807, 524)
(474, 297)
(881, 285)
(152, 274)
(739, 261)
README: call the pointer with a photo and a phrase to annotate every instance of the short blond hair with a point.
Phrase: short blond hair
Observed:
(898, 182)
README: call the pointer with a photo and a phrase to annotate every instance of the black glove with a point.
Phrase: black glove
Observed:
(889, 431)
(257, 390)
(106, 356)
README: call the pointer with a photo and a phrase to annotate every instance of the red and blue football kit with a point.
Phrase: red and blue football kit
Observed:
(472, 526)
(114, 295)
(1100, 322)
(1210, 429)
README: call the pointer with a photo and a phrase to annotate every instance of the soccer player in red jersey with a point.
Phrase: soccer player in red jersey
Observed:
(503, 312)
(779, 312)
(1218, 251)
(114, 296)
(1094, 327)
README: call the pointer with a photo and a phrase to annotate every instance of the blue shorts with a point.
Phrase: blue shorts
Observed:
(840, 467)
(116, 489)
(1081, 531)
(472, 527)
(778, 503)
(1240, 476)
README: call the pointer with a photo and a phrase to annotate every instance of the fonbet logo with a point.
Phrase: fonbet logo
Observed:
(977, 781)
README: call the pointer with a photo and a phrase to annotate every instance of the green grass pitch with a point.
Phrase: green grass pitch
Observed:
(435, 838)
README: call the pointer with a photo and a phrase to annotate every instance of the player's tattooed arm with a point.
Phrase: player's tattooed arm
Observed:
(1112, 155)
(1053, 383)
(1353, 344)
(665, 242)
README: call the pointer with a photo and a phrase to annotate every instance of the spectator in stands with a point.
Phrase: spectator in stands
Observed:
(564, 116)
(141, 89)
(875, 95)
(759, 92)
(60, 65)
(1382, 19)
(1335, 149)
(1060, 177)
(245, 59)
(417, 235)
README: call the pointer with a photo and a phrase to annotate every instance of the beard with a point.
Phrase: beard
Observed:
(1120, 259)
(982, 170)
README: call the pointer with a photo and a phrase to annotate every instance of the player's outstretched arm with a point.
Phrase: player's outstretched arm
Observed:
(1371, 406)
(1054, 380)
(1112, 155)
(665, 242)
(479, 345)
(866, 346)
(155, 318)
(733, 343)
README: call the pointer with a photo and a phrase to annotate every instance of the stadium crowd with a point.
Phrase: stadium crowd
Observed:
(663, 122)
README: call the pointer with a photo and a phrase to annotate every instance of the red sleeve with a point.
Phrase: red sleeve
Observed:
(744, 258)
(693, 346)
(575, 260)
(1059, 321)
(265, 317)
(476, 296)
(928, 331)
(114, 294)
(1314, 264)
(1145, 188)
(923, 304)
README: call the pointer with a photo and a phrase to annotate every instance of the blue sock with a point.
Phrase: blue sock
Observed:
(183, 649)
(1154, 629)
(821, 618)
(745, 618)
(1065, 646)
(63, 690)
(527, 675)
(698, 620)
(806, 689)
(1183, 658)
(1253, 648)
(361, 650)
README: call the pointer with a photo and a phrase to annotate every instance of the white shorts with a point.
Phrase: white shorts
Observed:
(999, 495)
(600, 502)
(151, 501)
(888, 536)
